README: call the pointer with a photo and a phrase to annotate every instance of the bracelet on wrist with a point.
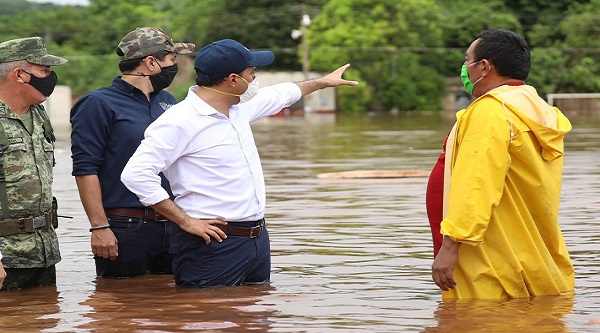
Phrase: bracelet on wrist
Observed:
(100, 227)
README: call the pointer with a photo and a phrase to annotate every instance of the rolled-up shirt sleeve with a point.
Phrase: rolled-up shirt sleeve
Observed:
(91, 122)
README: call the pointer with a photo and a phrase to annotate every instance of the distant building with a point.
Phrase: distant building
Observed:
(571, 104)
(58, 106)
(576, 104)
(321, 101)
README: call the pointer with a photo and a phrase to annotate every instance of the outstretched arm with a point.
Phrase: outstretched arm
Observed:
(333, 79)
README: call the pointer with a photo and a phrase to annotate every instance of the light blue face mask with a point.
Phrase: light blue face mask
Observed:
(464, 76)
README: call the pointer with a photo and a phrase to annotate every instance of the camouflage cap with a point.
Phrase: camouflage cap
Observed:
(31, 49)
(143, 42)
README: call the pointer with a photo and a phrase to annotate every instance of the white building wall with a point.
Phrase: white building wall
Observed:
(320, 101)
(58, 106)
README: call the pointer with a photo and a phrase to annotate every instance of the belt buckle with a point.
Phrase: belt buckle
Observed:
(258, 229)
(158, 217)
(152, 214)
(39, 222)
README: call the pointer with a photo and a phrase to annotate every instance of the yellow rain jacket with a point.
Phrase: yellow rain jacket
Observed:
(503, 197)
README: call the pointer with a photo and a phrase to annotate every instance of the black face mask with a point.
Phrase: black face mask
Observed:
(44, 85)
(163, 79)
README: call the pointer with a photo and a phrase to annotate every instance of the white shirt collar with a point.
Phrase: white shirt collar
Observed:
(198, 103)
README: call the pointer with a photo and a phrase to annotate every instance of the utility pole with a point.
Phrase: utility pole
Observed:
(304, 24)
(302, 33)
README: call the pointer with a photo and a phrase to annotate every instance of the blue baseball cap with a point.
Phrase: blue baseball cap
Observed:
(219, 59)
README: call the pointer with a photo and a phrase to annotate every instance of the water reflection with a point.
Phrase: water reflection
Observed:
(349, 255)
(29, 310)
(537, 315)
(155, 304)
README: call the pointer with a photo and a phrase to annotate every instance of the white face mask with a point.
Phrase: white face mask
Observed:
(251, 91)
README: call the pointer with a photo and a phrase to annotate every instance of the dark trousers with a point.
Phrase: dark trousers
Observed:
(238, 260)
(143, 247)
(18, 278)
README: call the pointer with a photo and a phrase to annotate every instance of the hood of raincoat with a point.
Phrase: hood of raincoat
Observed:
(548, 124)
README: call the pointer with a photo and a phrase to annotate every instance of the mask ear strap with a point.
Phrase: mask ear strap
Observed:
(241, 77)
(220, 92)
(24, 71)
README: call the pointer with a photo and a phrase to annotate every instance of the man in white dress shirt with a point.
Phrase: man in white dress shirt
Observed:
(204, 145)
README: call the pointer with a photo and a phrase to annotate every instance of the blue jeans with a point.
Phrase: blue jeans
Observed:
(237, 260)
(143, 248)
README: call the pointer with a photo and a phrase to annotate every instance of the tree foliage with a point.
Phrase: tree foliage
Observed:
(262, 24)
(460, 26)
(189, 19)
(581, 28)
(401, 51)
(380, 39)
(11, 7)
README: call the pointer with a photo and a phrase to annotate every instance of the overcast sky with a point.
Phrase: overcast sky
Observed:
(63, 2)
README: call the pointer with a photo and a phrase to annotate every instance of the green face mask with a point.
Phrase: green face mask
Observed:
(464, 76)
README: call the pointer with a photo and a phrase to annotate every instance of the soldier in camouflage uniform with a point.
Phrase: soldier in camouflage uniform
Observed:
(127, 239)
(27, 238)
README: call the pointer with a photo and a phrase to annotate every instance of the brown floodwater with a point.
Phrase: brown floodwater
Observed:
(349, 255)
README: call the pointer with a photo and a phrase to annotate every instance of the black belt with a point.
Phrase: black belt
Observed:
(140, 213)
(251, 232)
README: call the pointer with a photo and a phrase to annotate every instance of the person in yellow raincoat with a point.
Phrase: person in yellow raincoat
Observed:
(502, 182)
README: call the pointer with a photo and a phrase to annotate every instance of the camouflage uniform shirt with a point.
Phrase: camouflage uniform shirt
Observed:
(28, 164)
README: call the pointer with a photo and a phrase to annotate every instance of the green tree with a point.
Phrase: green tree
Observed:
(84, 72)
(11, 7)
(535, 13)
(581, 28)
(400, 50)
(563, 35)
(189, 19)
(88, 37)
(382, 40)
(462, 22)
(547, 66)
(581, 78)
(107, 21)
(262, 24)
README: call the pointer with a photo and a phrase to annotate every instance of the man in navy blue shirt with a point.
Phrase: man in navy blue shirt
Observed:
(108, 124)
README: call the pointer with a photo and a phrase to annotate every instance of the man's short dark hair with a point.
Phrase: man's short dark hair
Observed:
(210, 83)
(506, 50)
(131, 64)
